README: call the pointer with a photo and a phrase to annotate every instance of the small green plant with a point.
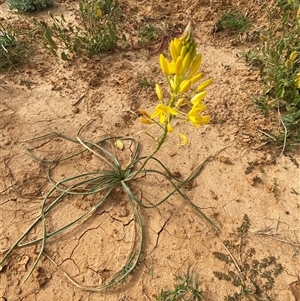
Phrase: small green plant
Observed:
(185, 289)
(12, 49)
(234, 21)
(253, 277)
(278, 58)
(147, 33)
(145, 83)
(183, 104)
(29, 5)
(95, 33)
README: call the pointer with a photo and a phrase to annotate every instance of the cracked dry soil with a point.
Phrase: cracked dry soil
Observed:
(249, 177)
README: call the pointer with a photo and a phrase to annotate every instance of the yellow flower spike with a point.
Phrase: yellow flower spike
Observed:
(162, 111)
(180, 102)
(185, 85)
(195, 65)
(183, 138)
(205, 84)
(159, 92)
(196, 77)
(198, 98)
(164, 64)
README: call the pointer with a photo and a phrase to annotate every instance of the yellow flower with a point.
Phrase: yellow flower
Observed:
(163, 112)
(289, 62)
(194, 115)
(99, 12)
(159, 92)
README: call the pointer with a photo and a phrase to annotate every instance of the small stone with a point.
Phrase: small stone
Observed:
(75, 110)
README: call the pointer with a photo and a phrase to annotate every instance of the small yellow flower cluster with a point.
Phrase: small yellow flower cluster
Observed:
(290, 61)
(181, 74)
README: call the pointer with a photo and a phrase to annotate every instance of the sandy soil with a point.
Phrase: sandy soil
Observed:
(249, 177)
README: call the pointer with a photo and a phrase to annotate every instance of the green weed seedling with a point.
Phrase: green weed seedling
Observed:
(252, 277)
(185, 289)
(145, 83)
(147, 33)
(233, 21)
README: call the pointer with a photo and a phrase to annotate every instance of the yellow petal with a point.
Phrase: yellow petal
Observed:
(145, 120)
(183, 138)
(144, 113)
(119, 144)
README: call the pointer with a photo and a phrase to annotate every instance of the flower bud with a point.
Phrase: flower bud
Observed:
(205, 84)
(159, 92)
(180, 102)
(185, 85)
(198, 98)
(164, 64)
(196, 77)
(195, 65)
